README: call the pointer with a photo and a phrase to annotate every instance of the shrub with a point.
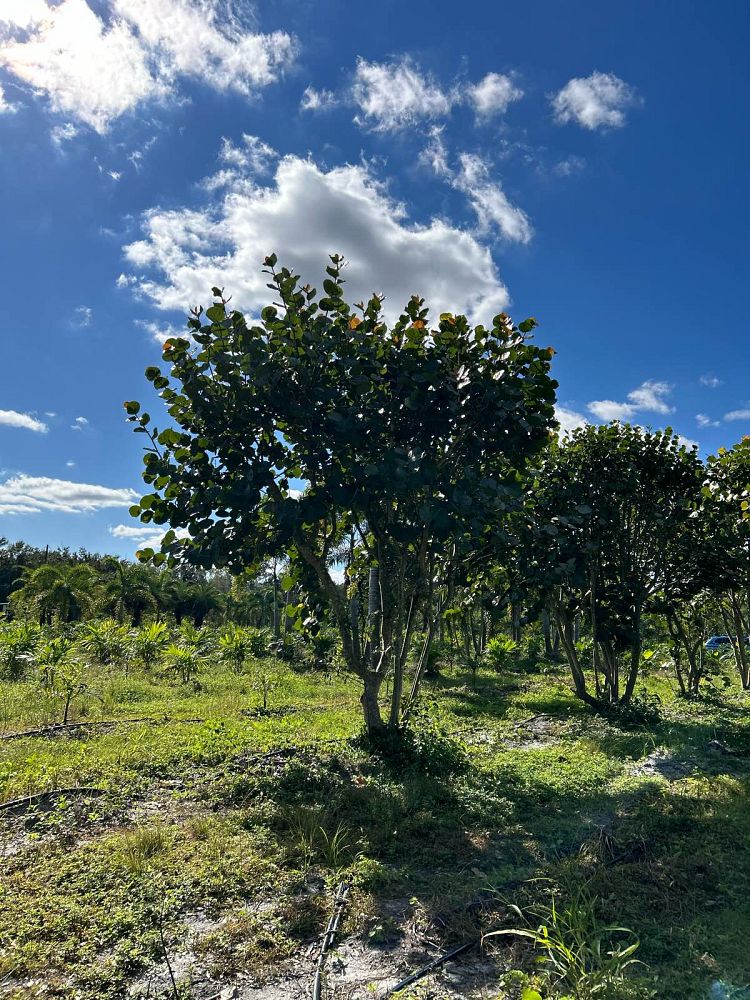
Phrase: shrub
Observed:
(499, 650)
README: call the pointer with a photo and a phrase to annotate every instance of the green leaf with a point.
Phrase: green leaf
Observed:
(530, 994)
(216, 313)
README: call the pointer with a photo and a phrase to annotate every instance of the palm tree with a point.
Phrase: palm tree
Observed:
(130, 592)
(57, 589)
(201, 598)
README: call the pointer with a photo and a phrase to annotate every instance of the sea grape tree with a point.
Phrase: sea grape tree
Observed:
(320, 429)
(616, 532)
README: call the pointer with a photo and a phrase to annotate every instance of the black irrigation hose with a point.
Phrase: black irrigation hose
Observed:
(339, 902)
(427, 969)
(67, 727)
(58, 727)
(30, 800)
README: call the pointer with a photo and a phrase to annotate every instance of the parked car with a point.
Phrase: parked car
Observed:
(717, 641)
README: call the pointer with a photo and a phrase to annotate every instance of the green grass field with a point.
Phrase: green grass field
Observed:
(212, 856)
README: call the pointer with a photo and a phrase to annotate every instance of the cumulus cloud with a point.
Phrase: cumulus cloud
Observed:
(710, 381)
(392, 96)
(317, 100)
(23, 494)
(11, 418)
(492, 95)
(650, 397)
(609, 409)
(742, 414)
(79, 423)
(705, 421)
(569, 420)
(305, 213)
(96, 68)
(595, 102)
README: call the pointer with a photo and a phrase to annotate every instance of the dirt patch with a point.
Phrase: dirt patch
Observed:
(663, 764)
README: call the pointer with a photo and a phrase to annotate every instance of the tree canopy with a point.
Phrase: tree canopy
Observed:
(321, 424)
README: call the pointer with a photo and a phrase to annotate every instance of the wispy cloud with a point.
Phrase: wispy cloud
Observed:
(82, 316)
(710, 381)
(22, 494)
(79, 423)
(705, 421)
(595, 102)
(741, 414)
(12, 418)
(472, 176)
(317, 100)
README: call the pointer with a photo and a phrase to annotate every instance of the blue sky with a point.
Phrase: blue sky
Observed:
(584, 163)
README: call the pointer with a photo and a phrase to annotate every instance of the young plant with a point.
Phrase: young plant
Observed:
(183, 661)
(234, 647)
(149, 642)
(18, 640)
(105, 641)
(580, 953)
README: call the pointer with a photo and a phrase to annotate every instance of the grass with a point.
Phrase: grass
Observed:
(463, 826)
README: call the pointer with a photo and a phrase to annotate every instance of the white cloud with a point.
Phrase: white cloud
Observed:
(486, 196)
(569, 166)
(489, 201)
(710, 381)
(63, 133)
(96, 70)
(82, 316)
(393, 96)
(23, 494)
(649, 397)
(492, 95)
(704, 421)
(608, 409)
(598, 101)
(136, 532)
(253, 157)
(158, 331)
(569, 420)
(143, 534)
(11, 418)
(687, 442)
(71, 464)
(305, 213)
(743, 414)
(317, 100)
(79, 424)
(23, 13)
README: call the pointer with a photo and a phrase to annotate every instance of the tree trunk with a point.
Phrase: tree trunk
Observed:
(549, 653)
